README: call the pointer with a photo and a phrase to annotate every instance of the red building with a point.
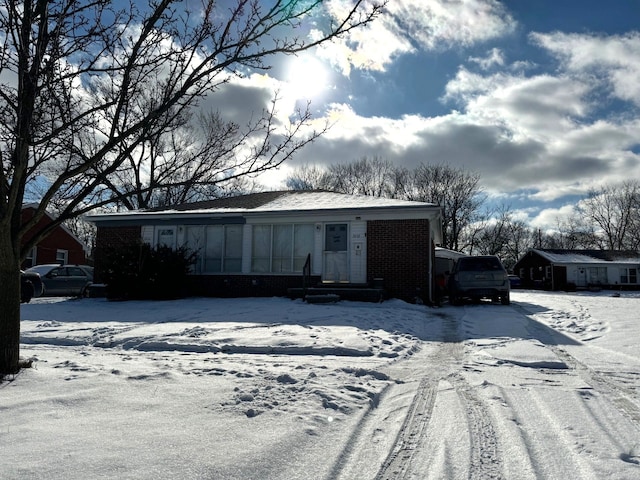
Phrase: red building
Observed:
(61, 246)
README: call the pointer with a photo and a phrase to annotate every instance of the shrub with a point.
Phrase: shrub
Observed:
(138, 271)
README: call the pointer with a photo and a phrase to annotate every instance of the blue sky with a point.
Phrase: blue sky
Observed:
(541, 98)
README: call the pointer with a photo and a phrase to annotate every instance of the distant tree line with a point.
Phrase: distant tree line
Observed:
(608, 218)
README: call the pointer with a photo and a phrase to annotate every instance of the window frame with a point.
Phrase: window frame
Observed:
(286, 264)
(626, 276)
(200, 267)
(62, 256)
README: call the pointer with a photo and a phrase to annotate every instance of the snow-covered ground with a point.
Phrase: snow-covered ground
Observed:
(547, 388)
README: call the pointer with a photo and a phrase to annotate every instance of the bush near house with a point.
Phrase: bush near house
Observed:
(137, 272)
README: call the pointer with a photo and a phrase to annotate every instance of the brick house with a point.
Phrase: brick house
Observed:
(258, 244)
(61, 246)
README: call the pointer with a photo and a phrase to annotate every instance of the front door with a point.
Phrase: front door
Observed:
(581, 278)
(336, 253)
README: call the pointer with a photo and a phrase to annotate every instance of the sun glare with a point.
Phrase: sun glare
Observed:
(307, 77)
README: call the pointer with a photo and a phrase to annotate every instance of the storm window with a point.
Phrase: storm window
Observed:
(281, 248)
(628, 275)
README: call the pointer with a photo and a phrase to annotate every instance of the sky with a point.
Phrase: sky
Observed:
(540, 98)
(275, 389)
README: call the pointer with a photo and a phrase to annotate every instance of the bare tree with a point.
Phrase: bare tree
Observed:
(457, 191)
(572, 233)
(86, 85)
(614, 211)
(203, 157)
(309, 177)
(374, 176)
(367, 176)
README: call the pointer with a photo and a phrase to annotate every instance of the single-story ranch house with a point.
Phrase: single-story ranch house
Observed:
(258, 244)
(578, 269)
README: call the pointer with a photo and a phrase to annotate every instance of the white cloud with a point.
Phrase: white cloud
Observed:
(616, 59)
(407, 25)
(549, 218)
(493, 58)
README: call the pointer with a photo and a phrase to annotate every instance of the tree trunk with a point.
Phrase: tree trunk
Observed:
(9, 307)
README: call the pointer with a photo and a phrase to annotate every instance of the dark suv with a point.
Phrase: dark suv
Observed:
(479, 277)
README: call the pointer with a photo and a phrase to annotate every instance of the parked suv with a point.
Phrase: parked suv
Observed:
(479, 277)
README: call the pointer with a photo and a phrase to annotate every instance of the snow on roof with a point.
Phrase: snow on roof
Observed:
(447, 253)
(330, 200)
(281, 201)
(588, 256)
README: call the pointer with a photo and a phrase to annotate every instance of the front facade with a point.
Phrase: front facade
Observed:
(555, 269)
(60, 246)
(257, 245)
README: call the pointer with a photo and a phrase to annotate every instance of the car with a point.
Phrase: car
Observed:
(64, 280)
(478, 277)
(30, 286)
(515, 281)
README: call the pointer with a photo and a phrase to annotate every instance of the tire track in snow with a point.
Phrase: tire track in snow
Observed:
(484, 457)
(485, 461)
(622, 397)
(398, 464)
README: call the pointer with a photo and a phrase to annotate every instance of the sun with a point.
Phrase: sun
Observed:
(306, 77)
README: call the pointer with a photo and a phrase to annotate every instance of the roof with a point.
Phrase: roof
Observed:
(274, 202)
(62, 226)
(588, 256)
(447, 253)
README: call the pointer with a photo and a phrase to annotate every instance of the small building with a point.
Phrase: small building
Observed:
(554, 269)
(259, 244)
(445, 260)
(60, 246)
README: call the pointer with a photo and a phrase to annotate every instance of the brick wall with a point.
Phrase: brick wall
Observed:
(244, 285)
(399, 251)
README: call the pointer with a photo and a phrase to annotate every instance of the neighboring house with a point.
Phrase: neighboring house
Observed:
(258, 244)
(61, 246)
(579, 269)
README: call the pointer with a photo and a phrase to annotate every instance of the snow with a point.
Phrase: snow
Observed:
(300, 201)
(548, 387)
(332, 200)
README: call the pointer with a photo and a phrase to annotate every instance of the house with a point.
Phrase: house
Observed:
(258, 244)
(60, 246)
(578, 269)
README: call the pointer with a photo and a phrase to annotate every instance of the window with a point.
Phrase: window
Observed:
(281, 248)
(62, 256)
(628, 275)
(30, 259)
(336, 238)
(598, 275)
(219, 248)
(166, 237)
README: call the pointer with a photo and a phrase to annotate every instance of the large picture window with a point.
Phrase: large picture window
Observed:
(598, 275)
(281, 248)
(219, 248)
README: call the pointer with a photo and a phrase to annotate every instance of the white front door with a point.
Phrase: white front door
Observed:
(358, 252)
(336, 253)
